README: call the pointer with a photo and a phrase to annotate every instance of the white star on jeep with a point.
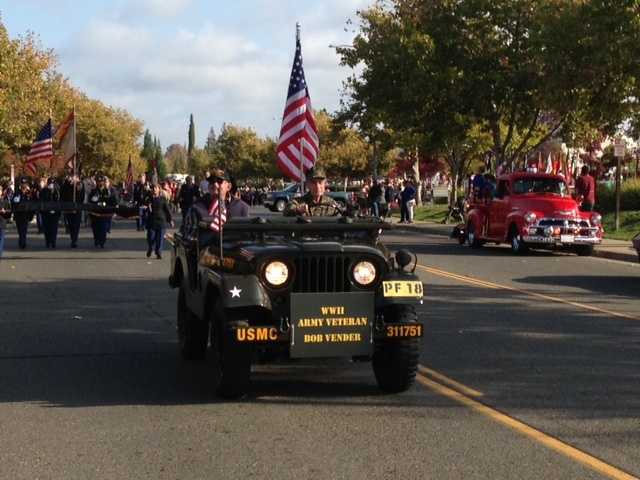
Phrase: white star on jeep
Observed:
(235, 292)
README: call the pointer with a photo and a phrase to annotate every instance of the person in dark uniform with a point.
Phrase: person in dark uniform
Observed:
(158, 217)
(73, 218)
(314, 203)
(140, 192)
(23, 196)
(187, 196)
(103, 197)
(50, 218)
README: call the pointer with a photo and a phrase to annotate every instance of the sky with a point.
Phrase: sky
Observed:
(223, 61)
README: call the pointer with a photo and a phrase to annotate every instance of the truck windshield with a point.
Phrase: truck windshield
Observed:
(540, 185)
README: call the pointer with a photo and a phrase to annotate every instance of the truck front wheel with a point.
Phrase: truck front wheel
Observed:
(395, 362)
(193, 333)
(517, 244)
(233, 358)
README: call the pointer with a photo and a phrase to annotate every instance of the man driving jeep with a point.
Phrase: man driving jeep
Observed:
(314, 203)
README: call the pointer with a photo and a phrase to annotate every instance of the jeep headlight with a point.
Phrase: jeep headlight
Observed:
(276, 273)
(364, 273)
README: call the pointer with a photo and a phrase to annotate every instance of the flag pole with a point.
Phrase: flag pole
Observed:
(301, 146)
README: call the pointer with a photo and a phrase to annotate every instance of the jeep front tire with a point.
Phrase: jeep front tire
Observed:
(395, 362)
(193, 333)
(233, 358)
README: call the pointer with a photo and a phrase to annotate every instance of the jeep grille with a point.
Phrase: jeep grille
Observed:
(322, 274)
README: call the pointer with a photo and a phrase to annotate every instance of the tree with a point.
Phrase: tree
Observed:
(210, 144)
(520, 71)
(192, 141)
(176, 158)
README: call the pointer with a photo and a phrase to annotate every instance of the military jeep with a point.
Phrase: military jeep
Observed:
(288, 288)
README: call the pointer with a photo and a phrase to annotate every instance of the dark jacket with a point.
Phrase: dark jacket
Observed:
(187, 196)
(20, 199)
(159, 214)
(238, 208)
(105, 197)
(6, 206)
(66, 192)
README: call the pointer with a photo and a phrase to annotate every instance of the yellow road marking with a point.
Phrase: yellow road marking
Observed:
(496, 286)
(449, 381)
(536, 435)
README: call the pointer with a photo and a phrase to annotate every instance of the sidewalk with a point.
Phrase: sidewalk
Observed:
(611, 249)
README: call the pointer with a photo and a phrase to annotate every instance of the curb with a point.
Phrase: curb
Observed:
(444, 230)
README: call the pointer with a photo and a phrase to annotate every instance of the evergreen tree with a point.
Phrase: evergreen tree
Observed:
(210, 146)
(192, 143)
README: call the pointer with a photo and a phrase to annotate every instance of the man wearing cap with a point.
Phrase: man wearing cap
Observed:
(72, 190)
(314, 203)
(102, 197)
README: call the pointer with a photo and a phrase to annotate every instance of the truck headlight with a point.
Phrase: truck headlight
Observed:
(530, 217)
(276, 273)
(596, 219)
(364, 273)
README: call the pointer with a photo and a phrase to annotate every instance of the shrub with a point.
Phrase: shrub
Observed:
(629, 196)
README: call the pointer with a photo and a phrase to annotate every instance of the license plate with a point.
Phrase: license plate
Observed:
(402, 288)
(567, 238)
(403, 331)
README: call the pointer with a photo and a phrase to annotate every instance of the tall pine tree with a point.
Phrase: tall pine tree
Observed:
(192, 144)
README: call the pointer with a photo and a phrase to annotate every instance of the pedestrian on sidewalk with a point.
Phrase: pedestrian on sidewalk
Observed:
(407, 202)
(159, 216)
(586, 190)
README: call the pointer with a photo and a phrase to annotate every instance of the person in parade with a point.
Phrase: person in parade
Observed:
(209, 206)
(50, 218)
(188, 195)
(72, 190)
(314, 203)
(36, 193)
(140, 191)
(159, 216)
(102, 197)
(23, 196)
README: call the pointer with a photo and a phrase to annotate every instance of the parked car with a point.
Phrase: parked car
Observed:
(636, 244)
(277, 201)
(532, 210)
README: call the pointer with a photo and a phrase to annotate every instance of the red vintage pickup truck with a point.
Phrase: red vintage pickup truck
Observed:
(532, 210)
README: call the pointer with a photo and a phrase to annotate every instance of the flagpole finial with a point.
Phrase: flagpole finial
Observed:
(297, 30)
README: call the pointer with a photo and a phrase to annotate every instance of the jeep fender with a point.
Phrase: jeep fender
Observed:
(382, 301)
(239, 291)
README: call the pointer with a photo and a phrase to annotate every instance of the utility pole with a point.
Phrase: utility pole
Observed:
(619, 152)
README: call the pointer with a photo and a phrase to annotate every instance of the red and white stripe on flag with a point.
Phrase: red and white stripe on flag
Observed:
(41, 148)
(218, 217)
(298, 146)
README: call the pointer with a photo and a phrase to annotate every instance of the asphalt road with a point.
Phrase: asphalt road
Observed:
(546, 356)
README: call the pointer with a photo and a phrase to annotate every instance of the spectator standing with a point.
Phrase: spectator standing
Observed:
(375, 197)
(204, 184)
(237, 206)
(586, 190)
(407, 202)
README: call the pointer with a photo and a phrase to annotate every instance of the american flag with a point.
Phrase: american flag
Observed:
(42, 148)
(219, 217)
(298, 129)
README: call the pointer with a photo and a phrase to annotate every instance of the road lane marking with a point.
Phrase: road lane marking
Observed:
(496, 286)
(449, 381)
(521, 427)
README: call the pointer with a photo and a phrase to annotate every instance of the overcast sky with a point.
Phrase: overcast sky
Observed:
(223, 61)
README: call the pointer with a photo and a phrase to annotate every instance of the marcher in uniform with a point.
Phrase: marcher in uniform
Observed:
(73, 218)
(158, 216)
(50, 218)
(103, 197)
(314, 203)
(23, 196)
